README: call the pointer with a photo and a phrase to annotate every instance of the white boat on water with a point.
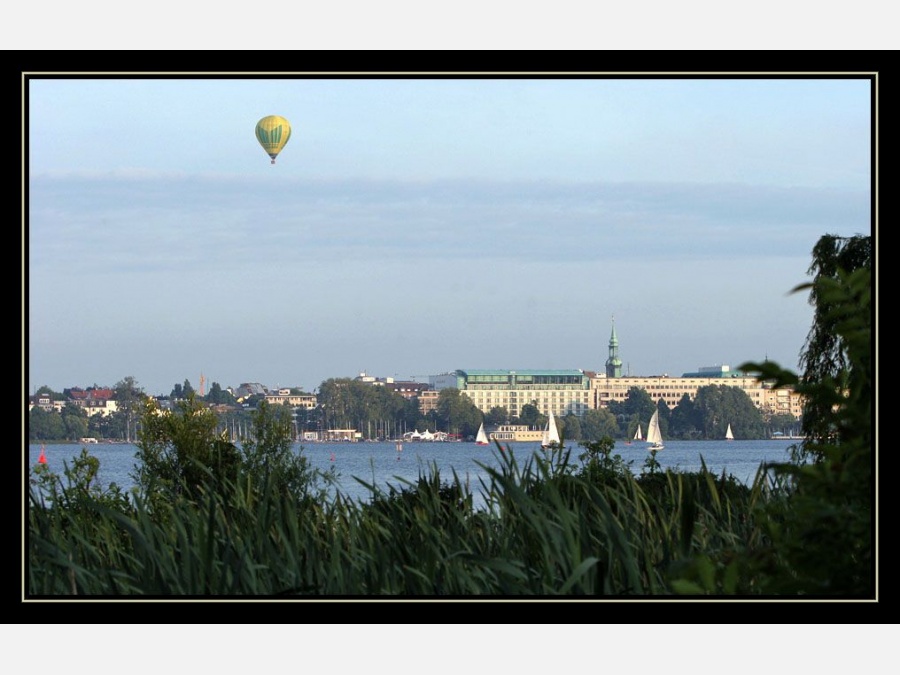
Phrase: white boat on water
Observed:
(654, 436)
(637, 434)
(728, 435)
(551, 435)
(481, 438)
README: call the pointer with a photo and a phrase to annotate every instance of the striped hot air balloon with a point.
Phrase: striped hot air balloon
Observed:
(273, 133)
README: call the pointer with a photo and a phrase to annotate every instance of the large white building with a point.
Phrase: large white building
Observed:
(577, 391)
(672, 389)
(560, 391)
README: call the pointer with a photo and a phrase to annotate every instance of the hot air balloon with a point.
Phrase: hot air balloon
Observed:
(273, 133)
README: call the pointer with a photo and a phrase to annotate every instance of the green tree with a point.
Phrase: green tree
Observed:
(457, 414)
(685, 421)
(373, 410)
(45, 425)
(497, 415)
(599, 465)
(570, 427)
(783, 423)
(636, 408)
(129, 402)
(826, 353)
(219, 396)
(717, 406)
(595, 424)
(75, 420)
(268, 458)
(179, 452)
(530, 415)
(637, 401)
(822, 537)
(100, 426)
(339, 400)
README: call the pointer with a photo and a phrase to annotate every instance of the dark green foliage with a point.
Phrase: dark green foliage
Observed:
(596, 424)
(637, 402)
(530, 415)
(570, 426)
(541, 528)
(219, 396)
(717, 406)
(45, 425)
(685, 422)
(497, 415)
(268, 458)
(822, 537)
(349, 404)
(827, 352)
(599, 465)
(179, 453)
(456, 413)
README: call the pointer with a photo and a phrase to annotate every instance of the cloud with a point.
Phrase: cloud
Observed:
(165, 222)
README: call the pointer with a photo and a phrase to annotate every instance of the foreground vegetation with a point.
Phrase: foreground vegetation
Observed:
(550, 525)
(210, 518)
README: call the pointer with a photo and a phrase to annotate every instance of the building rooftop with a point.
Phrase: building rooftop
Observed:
(573, 371)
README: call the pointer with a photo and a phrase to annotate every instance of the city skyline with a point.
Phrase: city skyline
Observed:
(412, 227)
(197, 383)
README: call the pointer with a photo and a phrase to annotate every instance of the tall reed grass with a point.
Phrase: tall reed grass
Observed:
(542, 527)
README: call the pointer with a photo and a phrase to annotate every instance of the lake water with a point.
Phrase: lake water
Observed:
(380, 463)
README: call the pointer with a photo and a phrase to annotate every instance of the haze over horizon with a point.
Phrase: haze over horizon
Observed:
(412, 227)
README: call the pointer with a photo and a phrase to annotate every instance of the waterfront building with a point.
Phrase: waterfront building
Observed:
(285, 397)
(421, 392)
(577, 391)
(406, 388)
(94, 401)
(672, 389)
(428, 399)
(248, 389)
(44, 402)
(611, 386)
(561, 392)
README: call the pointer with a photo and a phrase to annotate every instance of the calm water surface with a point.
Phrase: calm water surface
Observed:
(382, 465)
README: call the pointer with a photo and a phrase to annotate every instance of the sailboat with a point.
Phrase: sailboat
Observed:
(637, 435)
(551, 435)
(654, 437)
(481, 438)
(728, 435)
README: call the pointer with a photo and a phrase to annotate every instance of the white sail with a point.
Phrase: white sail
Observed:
(728, 435)
(481, 438)
(637, 434)
(551, 435)
(654, 437)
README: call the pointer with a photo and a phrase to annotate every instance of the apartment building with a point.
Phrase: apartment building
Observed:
(558, 391)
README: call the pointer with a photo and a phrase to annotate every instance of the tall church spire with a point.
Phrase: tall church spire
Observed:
(613, 363)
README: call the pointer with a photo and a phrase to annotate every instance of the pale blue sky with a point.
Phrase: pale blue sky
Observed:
(411, 227)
